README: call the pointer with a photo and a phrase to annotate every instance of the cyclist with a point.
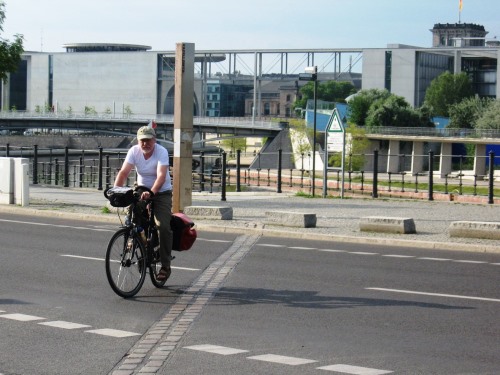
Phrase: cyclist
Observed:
(151, 162)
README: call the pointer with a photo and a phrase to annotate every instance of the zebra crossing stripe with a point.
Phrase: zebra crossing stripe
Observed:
(284, 360)
(113, 332)
(21, 317)
(216, 349)
(355, 370)
(64, 325)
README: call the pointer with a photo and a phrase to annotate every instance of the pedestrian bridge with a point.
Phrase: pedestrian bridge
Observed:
(19, 121)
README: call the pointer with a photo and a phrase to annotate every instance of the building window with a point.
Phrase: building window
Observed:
(267, 109)
(388, 70)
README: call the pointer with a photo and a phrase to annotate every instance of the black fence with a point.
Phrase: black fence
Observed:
(218, 173)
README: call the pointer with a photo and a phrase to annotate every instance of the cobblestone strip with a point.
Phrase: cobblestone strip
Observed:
(151, 352)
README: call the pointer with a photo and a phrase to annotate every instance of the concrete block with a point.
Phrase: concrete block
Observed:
(209, 212)
(399, 225)
(475, 229)
(291, 219)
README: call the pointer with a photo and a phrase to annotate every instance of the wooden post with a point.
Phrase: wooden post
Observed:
(183, 126)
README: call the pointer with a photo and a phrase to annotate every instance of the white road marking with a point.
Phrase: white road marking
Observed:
(332, 251)
(469, 261)
(21, 317)
(58, 225)
(284, 360)
(362, 253)
(81, 257)
(113, 332)
(216, 349)
(64, 325)
(223, 241)
(269, 245)
(438, 259)
(347, 369)
(398, 256)
(302, 248)
(435, 294)
(102, 259)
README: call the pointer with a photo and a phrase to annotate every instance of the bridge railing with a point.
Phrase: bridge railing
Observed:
(278, 171)
(434, 132)
(145, 118)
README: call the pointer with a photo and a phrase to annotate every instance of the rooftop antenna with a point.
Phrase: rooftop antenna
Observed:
(41, 39)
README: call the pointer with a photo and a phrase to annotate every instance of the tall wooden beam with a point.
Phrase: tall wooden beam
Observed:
(183, 126)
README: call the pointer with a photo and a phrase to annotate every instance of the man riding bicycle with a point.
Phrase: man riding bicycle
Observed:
(151, 162)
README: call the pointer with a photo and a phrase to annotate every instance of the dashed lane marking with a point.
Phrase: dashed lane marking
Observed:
(372, 253)
(113, 332)
(216, 349)
(21, 317)
(64, 325)
(356, 370)
(290, 361)
(102, 259)
(435, 294)
(437, 259)
(281, 359)
(68, 325)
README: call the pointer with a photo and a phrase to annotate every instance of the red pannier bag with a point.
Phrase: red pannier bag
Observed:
(184, 232)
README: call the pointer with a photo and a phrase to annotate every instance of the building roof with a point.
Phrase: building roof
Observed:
(104, 47)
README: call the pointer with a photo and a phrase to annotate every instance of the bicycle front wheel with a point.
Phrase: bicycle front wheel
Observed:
(125, 263)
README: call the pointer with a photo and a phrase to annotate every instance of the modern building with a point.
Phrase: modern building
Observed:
(132, 79)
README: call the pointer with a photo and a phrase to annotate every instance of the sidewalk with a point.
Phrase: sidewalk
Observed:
(337, 220)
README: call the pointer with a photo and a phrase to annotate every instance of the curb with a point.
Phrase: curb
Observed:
(271, 232)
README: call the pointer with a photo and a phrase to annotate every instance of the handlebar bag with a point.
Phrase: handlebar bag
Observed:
(120, 196)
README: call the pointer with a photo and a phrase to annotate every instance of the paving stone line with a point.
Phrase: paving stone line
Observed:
(152, 351)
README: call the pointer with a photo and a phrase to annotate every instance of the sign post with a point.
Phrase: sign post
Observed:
(334, 142)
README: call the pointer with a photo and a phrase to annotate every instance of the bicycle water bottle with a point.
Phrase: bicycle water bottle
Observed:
(140, 230)
(153, 238)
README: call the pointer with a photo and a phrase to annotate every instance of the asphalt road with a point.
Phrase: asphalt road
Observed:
(245, 304)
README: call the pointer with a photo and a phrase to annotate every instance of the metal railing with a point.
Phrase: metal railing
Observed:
(218, 173)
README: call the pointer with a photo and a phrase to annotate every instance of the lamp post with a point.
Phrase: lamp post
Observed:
(311, 74)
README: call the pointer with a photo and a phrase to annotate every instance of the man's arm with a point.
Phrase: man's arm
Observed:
(122, 175)
(161, 176)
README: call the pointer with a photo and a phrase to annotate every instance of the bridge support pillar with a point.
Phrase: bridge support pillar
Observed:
(417, 158)
(480, 161)
(445, 159)
(393, 157)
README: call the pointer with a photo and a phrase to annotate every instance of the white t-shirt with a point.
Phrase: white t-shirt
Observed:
(147, 169)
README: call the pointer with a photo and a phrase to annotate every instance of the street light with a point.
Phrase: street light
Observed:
(311, 74)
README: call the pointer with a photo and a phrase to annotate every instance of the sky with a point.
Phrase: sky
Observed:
(227, 24)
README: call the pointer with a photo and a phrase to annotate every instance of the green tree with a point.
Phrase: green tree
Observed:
(10, 53)
(445, 90)
(465, 114)
(490, 119)
(360, 104)
(234, 144)
(396, 111)
(330, 91)
(356, 145)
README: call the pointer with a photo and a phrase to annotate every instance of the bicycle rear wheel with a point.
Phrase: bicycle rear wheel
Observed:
(125, 263)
